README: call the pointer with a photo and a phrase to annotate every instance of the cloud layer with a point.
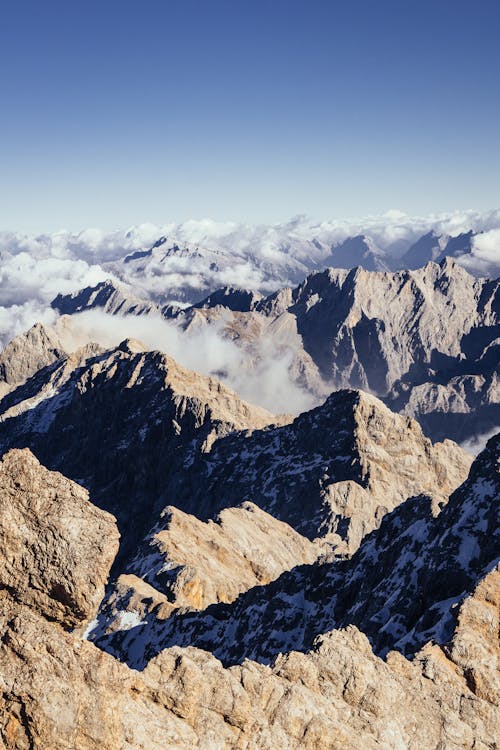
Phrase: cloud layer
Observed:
(208, 255)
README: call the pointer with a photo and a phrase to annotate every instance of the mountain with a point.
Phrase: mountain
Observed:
(358, 251)
(183, 568)
(169, 437)
(185, 562)
(155, 419)
(434, 247)
(458, 246)
(427, 248)
(423, 340)
(62, 692)
(148, 413)
(107, 296)
(340, 563)
(402, 588)
(27, 353)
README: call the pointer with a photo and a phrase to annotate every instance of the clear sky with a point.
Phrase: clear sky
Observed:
(117, 112)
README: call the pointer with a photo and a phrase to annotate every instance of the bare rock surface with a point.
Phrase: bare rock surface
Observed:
(56, 547)
(62, 693)
(108, 296)
(150, 415)
(59, 691)
(334, 472)
(28, 353)
(190, 563)
(408, 336)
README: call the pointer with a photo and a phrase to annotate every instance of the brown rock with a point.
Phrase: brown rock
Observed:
(56, 547)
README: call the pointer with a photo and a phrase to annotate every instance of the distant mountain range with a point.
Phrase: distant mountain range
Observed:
(426, 341)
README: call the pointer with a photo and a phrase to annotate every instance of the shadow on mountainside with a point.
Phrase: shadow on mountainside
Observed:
(401, 588)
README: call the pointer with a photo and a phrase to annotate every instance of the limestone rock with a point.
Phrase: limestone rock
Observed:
(108, 296)
(28, 353)
(151, 415)
(61, 692)
(352, 458)
(402, 587)
(56, 547)
(406, 336)
(189, 563)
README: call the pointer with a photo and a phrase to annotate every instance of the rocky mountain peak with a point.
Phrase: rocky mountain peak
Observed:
(108, 296)
(238, 300)
(27, 353)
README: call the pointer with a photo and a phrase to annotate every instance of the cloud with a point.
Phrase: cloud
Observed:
(261, 379)
(477, 443)
(33, 270)
(484, 258)
(486, 246)
(18, 318)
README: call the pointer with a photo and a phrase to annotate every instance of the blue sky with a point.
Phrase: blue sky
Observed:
(115, 113)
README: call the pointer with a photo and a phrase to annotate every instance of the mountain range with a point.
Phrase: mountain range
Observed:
(255, 528)
(425, 341)
(318, 582)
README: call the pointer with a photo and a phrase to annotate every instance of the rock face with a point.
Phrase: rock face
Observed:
(436, 247)
(151, 417)
(335, 471)
(107, 296)
(56, 547)
(170, 437)
(189, 563)
(62, 693)
(369, 329)
(165, 439)
(358, 251)
(28, 353)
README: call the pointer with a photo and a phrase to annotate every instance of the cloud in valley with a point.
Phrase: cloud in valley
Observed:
(264, 380)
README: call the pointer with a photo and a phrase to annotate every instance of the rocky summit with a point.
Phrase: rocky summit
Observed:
(181, 568)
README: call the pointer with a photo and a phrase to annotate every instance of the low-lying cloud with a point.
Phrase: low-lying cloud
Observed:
(262, 380)
(477, 443)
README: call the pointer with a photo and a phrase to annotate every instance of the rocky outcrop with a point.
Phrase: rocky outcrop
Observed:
(56, 547)
(165, 439)
(436, 247)
(358, 251)
(28, 353)
(62, 693)
(334, 472)
(108, 296)
(416, 338)
(368, 329)
(189, 563)
(150, 416)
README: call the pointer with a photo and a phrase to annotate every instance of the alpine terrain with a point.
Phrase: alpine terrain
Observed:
(253, 516)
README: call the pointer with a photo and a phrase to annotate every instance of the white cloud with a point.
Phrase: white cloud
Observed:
(263, 380)
(477, 443)
(33, 270)
(18, 318)
(487, 246)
